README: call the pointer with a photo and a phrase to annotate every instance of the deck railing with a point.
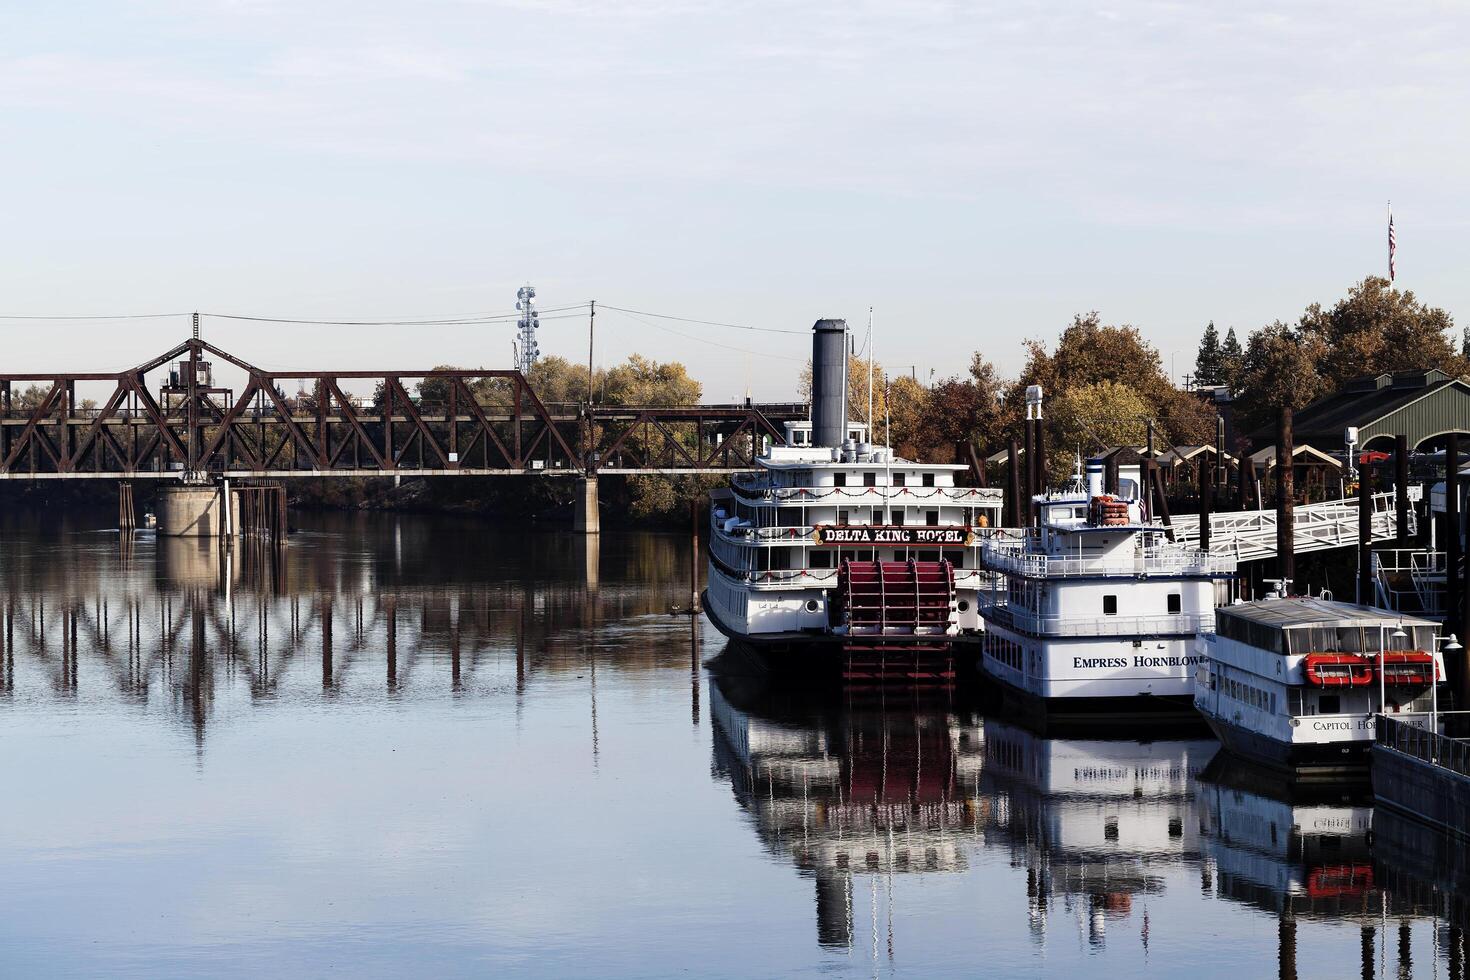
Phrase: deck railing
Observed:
(1423, 743)
(1008, 555)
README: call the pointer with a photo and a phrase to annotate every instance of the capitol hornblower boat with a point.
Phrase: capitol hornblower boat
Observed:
(836, 551)
(1297, 683)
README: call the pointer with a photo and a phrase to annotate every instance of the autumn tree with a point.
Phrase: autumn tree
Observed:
(1090, 417)
(1279, 368)
(1377, 328)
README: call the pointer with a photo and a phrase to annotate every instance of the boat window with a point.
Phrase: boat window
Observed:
(1329, 704)
(820, 559)
(1174, 602)
(842, 517)
(898, 479)
(1110, 605)
(926, 556)
(931, 518)
(896, 517)
(870, 479)
(928, 479)
(839, 479)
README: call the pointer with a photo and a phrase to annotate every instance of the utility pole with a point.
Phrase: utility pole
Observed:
(591, 323)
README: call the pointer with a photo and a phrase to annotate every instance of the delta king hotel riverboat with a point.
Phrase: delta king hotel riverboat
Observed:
(834, 544)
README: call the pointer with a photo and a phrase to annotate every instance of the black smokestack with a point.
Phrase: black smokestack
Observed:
(829, 383)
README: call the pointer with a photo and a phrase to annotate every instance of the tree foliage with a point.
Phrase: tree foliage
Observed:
(1209, 363)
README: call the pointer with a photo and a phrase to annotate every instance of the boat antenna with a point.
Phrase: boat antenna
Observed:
(870, 374)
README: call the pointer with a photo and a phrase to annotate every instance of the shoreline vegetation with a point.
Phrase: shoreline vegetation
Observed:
(1104, 385)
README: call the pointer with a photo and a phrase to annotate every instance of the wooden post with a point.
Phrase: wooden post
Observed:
(1401, 486)
(1285, 539)
(1040, 442)
(1452, 621)
(1029, 488)
(1013, 484)
(1206, 503)
(1365, 535)
(694, 606)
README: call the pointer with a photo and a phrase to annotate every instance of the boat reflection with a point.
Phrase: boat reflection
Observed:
(1096, 823)
(862, 784)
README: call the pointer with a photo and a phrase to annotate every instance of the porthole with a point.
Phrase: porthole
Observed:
(964, 605)
(812, 605)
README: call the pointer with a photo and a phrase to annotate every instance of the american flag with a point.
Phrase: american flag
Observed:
(1392, 244)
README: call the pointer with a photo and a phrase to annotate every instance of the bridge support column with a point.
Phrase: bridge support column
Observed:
(189, 511)
(587, 519)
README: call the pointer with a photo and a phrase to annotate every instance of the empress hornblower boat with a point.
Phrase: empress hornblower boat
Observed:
(1295, 683)
(836, 551)
(1094, 610)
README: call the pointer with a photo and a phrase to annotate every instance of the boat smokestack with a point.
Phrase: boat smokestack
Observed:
(829, 383)
(1095, 476)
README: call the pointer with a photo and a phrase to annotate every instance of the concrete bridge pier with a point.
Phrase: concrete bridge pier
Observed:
(190, 510)
(587, 520)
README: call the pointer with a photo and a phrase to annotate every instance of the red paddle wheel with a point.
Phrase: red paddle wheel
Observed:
(890, 609)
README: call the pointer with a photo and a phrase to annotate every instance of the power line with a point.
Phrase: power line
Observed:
(703, 340)
(448, 321)
(117, 316)
(707, 323)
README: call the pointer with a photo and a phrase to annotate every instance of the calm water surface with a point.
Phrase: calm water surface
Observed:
(431, 748)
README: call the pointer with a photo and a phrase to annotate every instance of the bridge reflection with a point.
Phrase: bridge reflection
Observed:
(332, 616)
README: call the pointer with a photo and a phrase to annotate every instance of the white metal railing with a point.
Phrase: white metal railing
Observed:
(1032, 622)
(1009, 555)
(964, 578)
(758, 489)
(1251, 534)
(1410, 580)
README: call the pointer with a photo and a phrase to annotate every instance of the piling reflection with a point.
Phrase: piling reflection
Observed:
(379, 609)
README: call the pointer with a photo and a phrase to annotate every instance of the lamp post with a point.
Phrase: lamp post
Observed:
(1446, 645)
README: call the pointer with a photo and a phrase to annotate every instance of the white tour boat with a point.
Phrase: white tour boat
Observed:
(834, 544)
(1295, 683)
(1094, 610)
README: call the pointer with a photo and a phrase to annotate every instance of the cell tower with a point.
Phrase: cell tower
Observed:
(525, 348)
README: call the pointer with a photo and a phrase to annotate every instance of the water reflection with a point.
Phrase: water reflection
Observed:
(374, 607)
(863, 786)
(1093, 822)
(408, 715)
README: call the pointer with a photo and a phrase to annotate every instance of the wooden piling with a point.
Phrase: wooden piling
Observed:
(1285, 539)
(1013, 484)
(1452, 620)
(1365, 535)
(1401, 486)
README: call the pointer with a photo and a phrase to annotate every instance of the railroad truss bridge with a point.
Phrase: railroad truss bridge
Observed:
(168, 419)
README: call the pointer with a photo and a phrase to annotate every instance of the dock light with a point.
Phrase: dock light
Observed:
(1452, 644)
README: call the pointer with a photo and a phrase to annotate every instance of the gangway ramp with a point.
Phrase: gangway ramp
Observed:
(1250, 535)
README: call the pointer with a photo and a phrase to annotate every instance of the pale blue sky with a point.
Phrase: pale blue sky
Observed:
(977, 172)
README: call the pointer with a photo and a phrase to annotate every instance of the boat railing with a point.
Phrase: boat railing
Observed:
(759, 488)
(966, 578)
(1004, 555)
(1424, 743)
(1033, 622)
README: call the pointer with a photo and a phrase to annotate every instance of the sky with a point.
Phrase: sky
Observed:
(976, 173)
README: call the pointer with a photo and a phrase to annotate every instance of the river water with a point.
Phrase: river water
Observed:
(415, 747)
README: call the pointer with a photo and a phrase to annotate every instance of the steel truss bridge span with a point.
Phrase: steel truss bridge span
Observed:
(168, 418)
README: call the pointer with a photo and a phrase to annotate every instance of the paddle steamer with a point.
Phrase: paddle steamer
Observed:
(835, 548)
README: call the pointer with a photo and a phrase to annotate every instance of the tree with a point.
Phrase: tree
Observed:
(1377, 328)
(1209, 366)
(1089, 353)
(1089, 417)
(1279, 368)
(1232, 359)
